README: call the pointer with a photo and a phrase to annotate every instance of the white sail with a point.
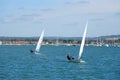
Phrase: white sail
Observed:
(83, 42)
(39, 42)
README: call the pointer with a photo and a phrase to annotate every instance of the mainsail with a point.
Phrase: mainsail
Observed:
(83, 42)
(39, 42)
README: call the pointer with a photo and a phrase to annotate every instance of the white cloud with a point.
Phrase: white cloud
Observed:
(47, 9)
(21, 18)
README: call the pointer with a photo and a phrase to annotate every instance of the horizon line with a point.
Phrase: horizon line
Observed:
(65, 36)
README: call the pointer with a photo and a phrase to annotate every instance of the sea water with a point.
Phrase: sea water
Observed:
(17, 63)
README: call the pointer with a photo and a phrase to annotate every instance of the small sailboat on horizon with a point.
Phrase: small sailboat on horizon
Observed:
(79, 60)
(38, 44)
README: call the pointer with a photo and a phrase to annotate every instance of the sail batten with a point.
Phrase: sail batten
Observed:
(83, 42)
(39, 42)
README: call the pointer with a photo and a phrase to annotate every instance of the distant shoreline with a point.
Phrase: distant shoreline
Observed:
(57, 37)
(113, 40)
(69, 41)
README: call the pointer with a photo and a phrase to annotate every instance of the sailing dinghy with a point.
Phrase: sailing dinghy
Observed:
(79, 60)
(38, 44)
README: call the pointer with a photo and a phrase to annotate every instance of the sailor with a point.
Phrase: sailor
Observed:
(69, 57)
(31, 51)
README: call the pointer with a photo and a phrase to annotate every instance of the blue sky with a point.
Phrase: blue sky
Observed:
(27, 18)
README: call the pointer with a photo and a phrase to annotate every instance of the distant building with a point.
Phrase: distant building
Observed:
(116, 38)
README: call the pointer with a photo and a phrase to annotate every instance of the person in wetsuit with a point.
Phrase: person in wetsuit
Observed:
(69, 57)
(31, 51)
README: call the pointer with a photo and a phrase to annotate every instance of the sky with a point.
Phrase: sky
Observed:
(64, 18)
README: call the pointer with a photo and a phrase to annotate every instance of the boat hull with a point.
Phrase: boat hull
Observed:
(77, 61)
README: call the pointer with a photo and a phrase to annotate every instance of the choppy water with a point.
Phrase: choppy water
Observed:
(17, 63)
